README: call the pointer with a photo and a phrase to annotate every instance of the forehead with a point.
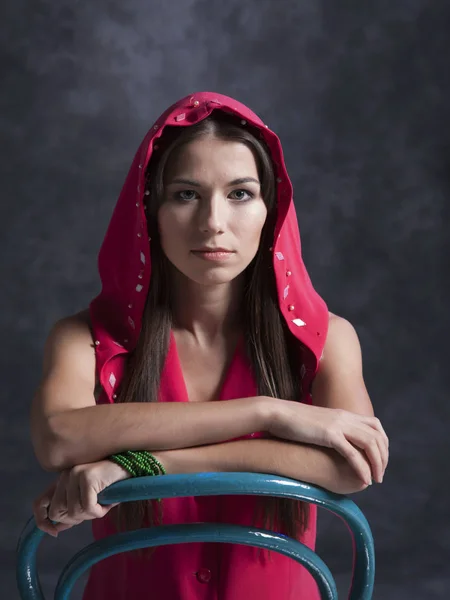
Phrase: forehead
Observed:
(212, 153)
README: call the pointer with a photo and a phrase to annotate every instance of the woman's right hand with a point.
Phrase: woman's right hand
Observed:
(344, 431)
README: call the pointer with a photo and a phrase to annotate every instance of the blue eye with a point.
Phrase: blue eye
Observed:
(249, 194)
(180, 196)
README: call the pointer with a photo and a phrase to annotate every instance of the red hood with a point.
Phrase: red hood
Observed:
(125, 257)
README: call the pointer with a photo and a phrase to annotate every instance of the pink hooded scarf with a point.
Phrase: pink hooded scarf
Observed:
(198, 570)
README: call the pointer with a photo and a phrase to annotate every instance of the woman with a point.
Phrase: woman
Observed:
(209, 347)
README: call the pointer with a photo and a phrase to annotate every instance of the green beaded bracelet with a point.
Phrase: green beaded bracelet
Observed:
(147, 462)
(123, 462)
(138, 463)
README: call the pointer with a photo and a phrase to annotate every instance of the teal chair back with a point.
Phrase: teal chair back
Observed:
(209, 484)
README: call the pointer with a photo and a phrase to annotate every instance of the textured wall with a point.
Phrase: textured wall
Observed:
(360, 96)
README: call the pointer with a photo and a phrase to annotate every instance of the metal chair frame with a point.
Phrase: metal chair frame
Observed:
(209, 484)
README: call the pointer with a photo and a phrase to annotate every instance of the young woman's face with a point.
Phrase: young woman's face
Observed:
(212, 197)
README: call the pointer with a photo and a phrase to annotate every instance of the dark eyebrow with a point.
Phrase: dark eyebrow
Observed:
(193, 183)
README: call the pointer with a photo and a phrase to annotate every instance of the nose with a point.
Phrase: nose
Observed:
(212, 213)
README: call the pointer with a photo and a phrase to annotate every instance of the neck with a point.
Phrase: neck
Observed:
(208, 312)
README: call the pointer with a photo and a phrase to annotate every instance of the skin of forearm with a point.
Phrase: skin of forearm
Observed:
(316, 465)
(95, 432)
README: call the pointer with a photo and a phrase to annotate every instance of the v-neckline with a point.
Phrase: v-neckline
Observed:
(176, 357)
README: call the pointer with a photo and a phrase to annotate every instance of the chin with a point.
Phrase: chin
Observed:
(211, 276)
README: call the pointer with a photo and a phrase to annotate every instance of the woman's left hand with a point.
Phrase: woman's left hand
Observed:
(72, 498)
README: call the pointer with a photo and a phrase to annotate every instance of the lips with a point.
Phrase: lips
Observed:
(213, 255)
(206, 249)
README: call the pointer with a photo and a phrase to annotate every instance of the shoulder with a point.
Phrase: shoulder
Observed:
(339, 382)
(76, 327)
(70, 340)
(341, 337)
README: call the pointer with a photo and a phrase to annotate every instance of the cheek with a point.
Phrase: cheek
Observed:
(252, 222)
(170, 225)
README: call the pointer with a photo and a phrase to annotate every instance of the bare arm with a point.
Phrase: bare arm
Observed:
(92, 433)
(68, 428)
(341, 417)
(339, 384)
(313, 464)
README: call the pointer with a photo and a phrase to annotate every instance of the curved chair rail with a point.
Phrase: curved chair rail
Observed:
(209, 484)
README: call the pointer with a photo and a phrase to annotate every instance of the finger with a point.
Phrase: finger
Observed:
(383, 449)
(42, 521)
(373, 454)
(48, 527)
(58, 507)
(93, 510)
(366, 440)
(375, 423)
(382, 439)
(383, 442)
(74, 507)
(354, 458)
(88, 496)
(40, 510)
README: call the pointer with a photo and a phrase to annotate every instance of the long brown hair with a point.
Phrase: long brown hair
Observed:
(275, 355)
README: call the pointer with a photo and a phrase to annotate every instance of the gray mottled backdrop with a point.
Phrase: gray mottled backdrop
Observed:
(360, 96)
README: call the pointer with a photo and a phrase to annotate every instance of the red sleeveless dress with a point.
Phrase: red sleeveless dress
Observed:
(203, 571)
